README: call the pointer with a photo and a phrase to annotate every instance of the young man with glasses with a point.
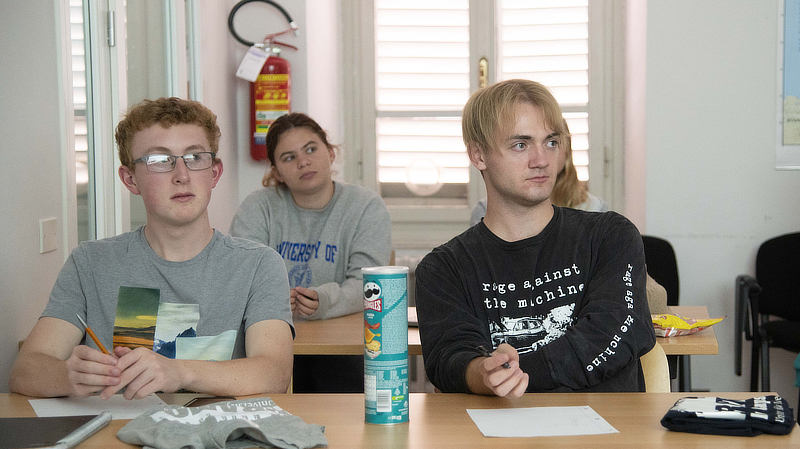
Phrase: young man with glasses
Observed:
(559, 293)
(182, 305)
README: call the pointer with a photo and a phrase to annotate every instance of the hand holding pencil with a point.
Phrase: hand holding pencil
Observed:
(91, 370)
(92, 335)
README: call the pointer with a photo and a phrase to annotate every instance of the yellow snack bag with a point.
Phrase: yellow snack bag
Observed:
(669, 325)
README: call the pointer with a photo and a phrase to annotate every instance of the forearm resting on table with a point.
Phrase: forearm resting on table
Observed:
(240, 377)
(39, 375)
(339, 299)
(267, 368)
(41, 367)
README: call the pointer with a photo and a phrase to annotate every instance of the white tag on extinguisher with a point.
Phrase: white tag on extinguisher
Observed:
(252, 63)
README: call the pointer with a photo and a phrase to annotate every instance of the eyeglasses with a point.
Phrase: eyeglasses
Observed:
(162, 163)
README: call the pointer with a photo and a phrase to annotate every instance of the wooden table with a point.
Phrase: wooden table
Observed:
(345, 336)
(441, 420)
(701, 343)
(340, 336)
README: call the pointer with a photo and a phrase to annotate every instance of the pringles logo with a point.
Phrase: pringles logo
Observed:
(372, 297)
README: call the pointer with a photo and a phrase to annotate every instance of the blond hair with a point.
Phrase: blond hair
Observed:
(492, 108)
(568, 190)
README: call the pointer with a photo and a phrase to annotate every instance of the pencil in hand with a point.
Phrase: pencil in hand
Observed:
(91, 334)
(484, 352)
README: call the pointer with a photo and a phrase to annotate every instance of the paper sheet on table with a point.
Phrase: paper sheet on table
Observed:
(540, 421)
(119, 407)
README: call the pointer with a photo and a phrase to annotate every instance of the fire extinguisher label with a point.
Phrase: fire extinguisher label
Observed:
(268, 115)
(271, 99)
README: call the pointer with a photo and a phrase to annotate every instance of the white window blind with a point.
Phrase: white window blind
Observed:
(79, 87)
(422, 76)
(422, 82)
(80, 97)
(548, 41)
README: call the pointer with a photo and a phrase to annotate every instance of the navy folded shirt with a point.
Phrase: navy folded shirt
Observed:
(720, 416)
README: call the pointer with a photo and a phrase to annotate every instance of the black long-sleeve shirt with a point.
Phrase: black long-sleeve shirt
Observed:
(571, 300)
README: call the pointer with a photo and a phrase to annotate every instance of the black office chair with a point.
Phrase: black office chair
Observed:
(773, 293)
(662, 265)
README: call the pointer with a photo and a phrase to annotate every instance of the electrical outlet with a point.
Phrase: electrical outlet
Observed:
(48, 235)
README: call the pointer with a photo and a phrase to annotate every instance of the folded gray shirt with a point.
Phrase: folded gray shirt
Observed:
(256, 422)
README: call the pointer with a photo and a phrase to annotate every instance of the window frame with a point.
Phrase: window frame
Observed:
(427, 226)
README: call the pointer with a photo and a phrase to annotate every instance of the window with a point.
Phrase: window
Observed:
(80, 94)
(422, 58)
(120, 53)
(420, 61)
(548, 42)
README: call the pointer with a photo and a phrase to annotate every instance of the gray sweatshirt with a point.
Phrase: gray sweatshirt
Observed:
(323, 249)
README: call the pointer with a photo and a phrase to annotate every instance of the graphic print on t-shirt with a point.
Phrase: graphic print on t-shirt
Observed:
(297, 256)
(531, 312)
(530, 333)
(167, 328)
(300, 276)
(135, 321)
(176, 335)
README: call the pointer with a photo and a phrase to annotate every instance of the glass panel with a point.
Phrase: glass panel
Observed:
(84, 181)
(147, 66)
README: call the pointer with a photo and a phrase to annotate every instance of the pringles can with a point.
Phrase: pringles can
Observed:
(385, 344)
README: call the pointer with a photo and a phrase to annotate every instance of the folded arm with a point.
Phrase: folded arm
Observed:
(52, 362)
(266, 369)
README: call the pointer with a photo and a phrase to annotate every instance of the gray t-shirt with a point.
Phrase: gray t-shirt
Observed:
(256, 422)
(196, 309)
(323, 249)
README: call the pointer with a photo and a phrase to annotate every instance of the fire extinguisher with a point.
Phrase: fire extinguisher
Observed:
(270, 94)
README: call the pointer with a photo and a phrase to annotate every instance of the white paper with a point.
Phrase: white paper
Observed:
(540, 421)
(119, 407)
(252, 63)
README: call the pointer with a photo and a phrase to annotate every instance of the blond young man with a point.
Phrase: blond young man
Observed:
(558, 294)
(222, 324)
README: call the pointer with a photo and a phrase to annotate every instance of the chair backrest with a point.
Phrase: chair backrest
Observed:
(656, 370)
(778, 274)
(662, 266)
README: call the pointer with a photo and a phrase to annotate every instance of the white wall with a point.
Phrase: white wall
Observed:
(228, 96)
(325, 73)
(711, 186)
(31, 183)
(254, 25)
(219, 64)
(315, 85)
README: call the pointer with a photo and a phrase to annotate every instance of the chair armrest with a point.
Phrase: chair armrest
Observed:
(747, 290)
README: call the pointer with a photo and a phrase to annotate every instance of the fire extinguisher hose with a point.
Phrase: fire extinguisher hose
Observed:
(244, 2)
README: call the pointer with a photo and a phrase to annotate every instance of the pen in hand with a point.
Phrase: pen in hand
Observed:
(486, 353)
(91, 334)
